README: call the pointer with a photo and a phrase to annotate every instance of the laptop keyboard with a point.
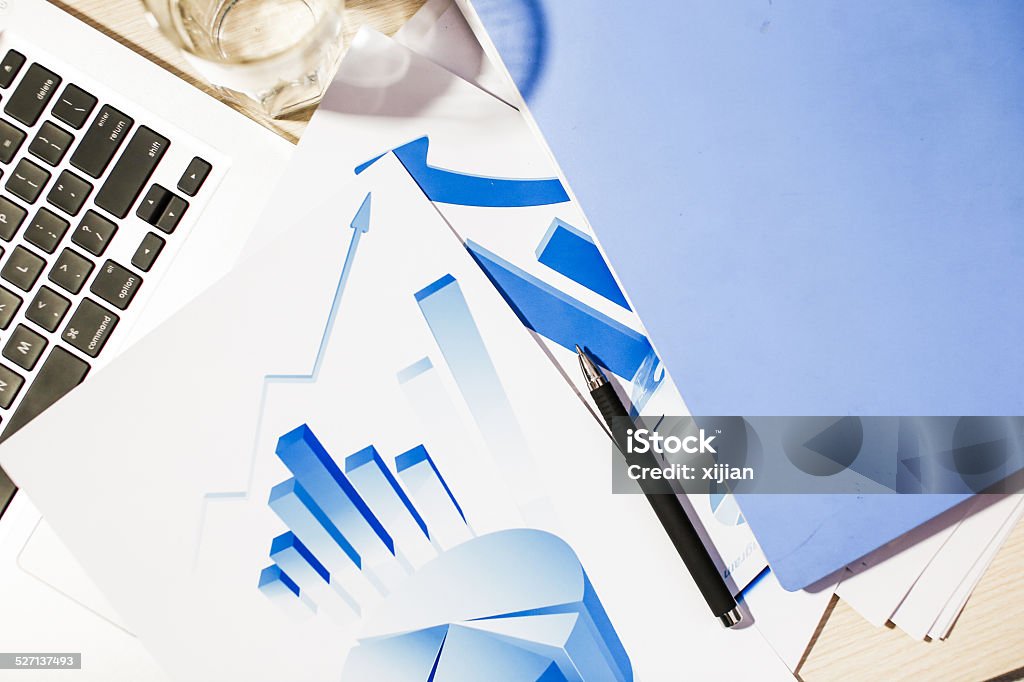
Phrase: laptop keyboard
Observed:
(75, 177)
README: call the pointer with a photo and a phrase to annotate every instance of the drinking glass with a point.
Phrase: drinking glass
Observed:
(275, 56)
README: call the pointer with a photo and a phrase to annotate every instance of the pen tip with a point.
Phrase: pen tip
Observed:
(590, 371)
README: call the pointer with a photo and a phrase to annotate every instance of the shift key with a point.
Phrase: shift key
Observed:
(101, 141)
(131, 172)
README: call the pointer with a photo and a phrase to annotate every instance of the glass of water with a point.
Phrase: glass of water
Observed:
(275, 56)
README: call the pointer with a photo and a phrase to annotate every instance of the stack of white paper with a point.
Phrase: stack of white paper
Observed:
(922, 581)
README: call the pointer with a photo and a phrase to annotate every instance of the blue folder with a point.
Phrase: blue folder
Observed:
(816, 208)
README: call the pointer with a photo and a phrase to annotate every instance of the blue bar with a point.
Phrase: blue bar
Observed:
(375, 482)
(288, 549)
(574, 254)
(455, 331)
(332, 492)
(302, 515)
(564, 320)
(414, 370)
(419, 455)
(313, 579)
(434, 287)
(367, 460)
(433, 497)
(275, 582)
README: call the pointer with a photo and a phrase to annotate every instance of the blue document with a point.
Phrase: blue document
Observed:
(815, 208)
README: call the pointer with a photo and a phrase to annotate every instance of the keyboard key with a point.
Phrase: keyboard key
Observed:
(9, 304)
(69, 193)
(101, 141)
(90, 327)
(10, 385)
(171, 215)
(194, 176)
(22, 269)
(61, 372)
(10, 141)
(116, 284)
(94, 233)
(74, 106)
(7, 490)
(11, 217)
(51, 143)
(131, 172)
(47, 309)
(70, 271)
(153, 204)
(27, 180)
(33, 93)
(10, 66)
(147, 252)
(46, 230)
(25, 347)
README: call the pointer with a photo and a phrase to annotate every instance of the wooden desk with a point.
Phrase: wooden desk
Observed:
(987, 641)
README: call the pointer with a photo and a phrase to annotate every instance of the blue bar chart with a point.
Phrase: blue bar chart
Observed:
(320, 475)
(353, 536)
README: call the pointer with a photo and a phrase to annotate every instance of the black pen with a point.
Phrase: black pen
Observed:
(663, 500)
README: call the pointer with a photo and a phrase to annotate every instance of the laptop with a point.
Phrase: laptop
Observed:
(124, 192)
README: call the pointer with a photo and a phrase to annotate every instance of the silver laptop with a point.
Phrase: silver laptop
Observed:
(121, 189)
(124, 192)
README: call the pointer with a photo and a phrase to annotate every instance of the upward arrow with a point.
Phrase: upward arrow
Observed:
(360, 225)
(361, 221)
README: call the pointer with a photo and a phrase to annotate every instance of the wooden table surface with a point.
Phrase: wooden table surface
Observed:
(988, 639)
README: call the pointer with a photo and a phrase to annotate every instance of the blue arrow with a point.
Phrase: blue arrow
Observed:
(451, 187)
(360, 225)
